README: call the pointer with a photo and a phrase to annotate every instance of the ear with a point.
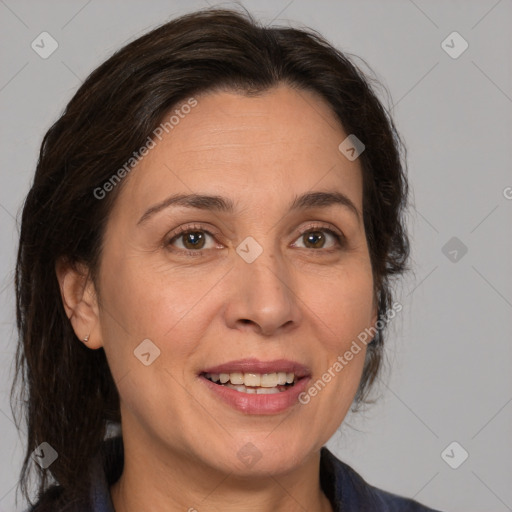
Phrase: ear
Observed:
(80, 302)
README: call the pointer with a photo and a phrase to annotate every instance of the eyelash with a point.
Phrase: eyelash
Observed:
(338, 236)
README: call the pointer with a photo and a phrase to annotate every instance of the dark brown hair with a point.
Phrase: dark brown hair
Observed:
(67, 390)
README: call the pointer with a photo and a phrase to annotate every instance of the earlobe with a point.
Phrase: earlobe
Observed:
(80, 303)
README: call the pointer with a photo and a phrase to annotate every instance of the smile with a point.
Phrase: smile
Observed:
(254, 383)
(257, 387)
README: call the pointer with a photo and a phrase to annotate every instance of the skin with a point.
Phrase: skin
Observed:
(299, 300)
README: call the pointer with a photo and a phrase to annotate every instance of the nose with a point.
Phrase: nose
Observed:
(263, 298)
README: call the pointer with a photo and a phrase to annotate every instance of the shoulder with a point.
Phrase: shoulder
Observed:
(348, 491)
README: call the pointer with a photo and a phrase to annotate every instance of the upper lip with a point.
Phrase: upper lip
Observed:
(253, 365)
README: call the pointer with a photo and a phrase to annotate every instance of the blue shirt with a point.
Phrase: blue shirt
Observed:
(345, 489)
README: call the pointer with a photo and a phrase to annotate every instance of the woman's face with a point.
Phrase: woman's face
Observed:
(245, 292)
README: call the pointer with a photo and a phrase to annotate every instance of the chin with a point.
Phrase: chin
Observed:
(262, 454)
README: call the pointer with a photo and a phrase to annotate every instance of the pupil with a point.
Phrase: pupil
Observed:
(315, 234)
(195, 238)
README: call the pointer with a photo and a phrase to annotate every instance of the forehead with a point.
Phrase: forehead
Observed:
(281, 142)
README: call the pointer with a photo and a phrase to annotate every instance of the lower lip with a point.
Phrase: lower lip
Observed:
(258, 404)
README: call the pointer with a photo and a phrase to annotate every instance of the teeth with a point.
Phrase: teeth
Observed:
(252, 391)
(240, 388)
(267, 391)
(253, 380)
(269, 380)
(281, 378)
(236, 378)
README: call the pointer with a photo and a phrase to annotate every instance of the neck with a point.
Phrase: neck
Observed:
(152, 481)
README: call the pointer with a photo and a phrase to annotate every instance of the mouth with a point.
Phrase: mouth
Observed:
(251, 376)
(254, 383)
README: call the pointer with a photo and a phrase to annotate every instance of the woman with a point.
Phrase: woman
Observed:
(205, 261)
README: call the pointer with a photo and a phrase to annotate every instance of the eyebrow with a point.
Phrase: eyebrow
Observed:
(214, 203)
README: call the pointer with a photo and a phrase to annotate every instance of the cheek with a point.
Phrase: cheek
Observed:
(344, 304)
(146, 300)
(141, 302)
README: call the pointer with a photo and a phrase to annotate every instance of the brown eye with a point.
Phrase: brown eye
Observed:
(190, 240)
(317, 238)
(193, 239)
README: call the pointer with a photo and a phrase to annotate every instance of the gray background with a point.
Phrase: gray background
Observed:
(449, 350)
